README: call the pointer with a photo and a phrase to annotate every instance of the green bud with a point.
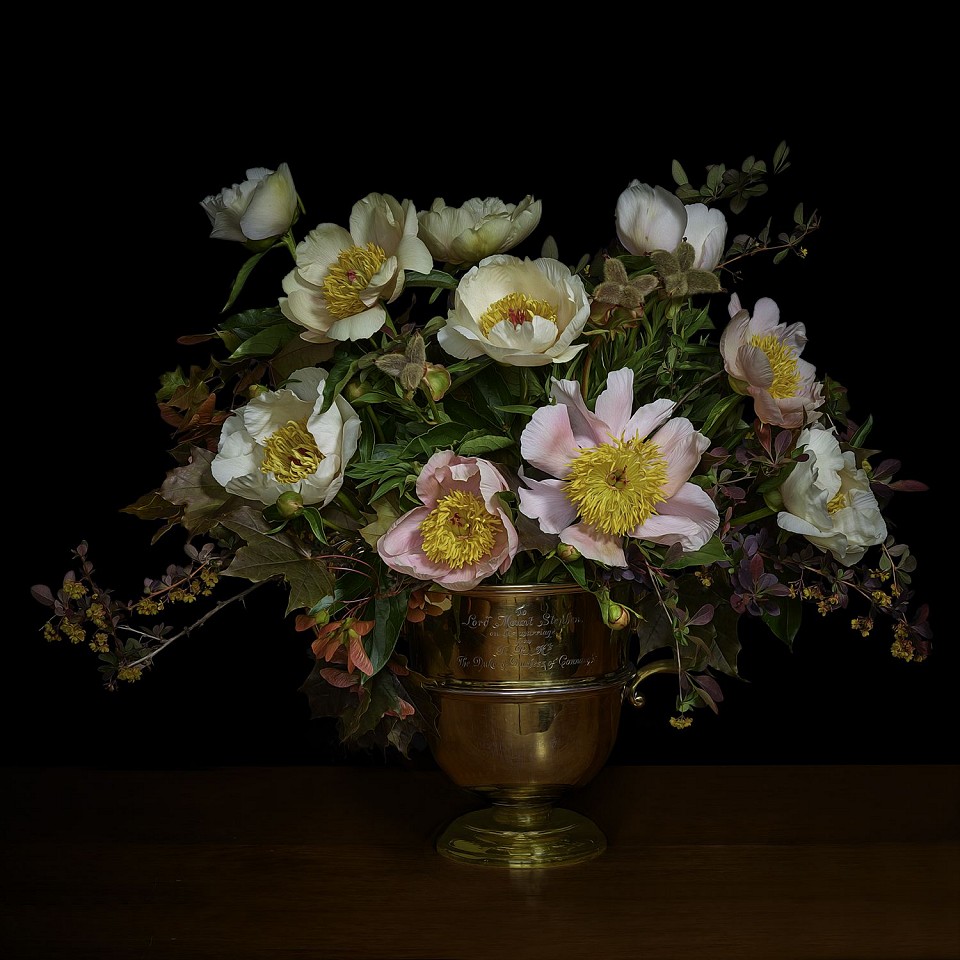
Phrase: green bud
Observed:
(436, 381)
(567, 553)
(289, 503)
(617, 616)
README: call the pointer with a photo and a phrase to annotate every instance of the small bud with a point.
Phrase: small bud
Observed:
(289, 503)
(617, 616)
(568, 553)
(773, 499)
(354, 390)
(436, 381)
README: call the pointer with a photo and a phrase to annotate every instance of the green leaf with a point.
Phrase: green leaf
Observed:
(711, 552)
(786, 626)
(435, 278)
(484, 444)
(780, 156)
(441, 437)
(679, 175)
(242, 276)
(265, 343)
(280, 555)
(389, 616)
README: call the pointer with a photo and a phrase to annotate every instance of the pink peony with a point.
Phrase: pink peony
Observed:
(622, 475)
(762, 359)
(461, 535)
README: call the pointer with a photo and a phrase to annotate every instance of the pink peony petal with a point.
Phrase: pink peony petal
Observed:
(614, 404)
(546, 501)
(547, 441)
(595, 545)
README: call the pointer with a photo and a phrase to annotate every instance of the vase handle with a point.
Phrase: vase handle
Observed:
(658, 666)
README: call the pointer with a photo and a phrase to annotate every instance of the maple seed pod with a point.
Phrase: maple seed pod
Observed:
(289, 504)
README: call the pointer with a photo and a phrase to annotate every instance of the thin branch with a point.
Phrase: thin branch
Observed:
(186, 631)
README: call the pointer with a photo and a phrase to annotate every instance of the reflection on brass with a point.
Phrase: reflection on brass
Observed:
(529, 683)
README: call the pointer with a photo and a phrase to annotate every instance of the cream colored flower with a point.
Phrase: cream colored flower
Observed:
(280, 441)
(343, 277)
(261, 207)
(526, 313)
(828, 499)
(478, 229)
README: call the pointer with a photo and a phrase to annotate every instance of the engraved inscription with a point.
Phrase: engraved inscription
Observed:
(528, 641)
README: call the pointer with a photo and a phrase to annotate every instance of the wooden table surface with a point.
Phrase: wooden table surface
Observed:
(326, 862)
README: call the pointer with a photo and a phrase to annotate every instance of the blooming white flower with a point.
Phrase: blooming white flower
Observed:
(280, 441)
(649, 218)
(478, 229)
(261, 207)
(652, 218)
(617, 473)
(828, 499)
(706, 232)
(343, 278)
(525, 313)
(762, 359)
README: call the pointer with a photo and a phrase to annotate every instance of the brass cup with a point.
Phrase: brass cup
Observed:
(529, 683)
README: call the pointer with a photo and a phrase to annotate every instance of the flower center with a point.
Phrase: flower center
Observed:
(786, 378)
(459, 530)
(837, 503)
(518, 308)
(617, 485)
(291, 453)
(349, 277)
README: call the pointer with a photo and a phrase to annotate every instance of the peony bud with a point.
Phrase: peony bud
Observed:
(289, 503)
(436, 381)
(261, 208)
(617, 617)
(568, 553)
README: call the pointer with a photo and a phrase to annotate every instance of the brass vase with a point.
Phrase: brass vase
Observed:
(529, 683)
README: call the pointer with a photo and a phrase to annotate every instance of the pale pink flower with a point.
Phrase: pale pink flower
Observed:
(461, 535)
(762, 358)
(615, 473)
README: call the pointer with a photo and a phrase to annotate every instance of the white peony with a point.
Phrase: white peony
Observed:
(280, 441)
(525, 313)
(343, 277)
(262, 207)
(478, 229)
(828, 499)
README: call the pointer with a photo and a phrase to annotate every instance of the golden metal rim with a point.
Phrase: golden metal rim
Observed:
(529, 688)
(523, 589)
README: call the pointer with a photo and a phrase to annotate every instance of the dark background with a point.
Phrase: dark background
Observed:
(123, 265)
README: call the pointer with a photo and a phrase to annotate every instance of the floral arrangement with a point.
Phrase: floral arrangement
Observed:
(421, 409)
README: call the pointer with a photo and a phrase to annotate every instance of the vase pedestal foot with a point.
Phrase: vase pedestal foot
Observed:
(521, 836)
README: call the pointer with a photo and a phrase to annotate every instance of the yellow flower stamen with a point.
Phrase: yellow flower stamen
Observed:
(783, 360)
(349, 277)
(291, 453)
(837, 503)
(618, 485)
(459, 530)
(518, 308)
